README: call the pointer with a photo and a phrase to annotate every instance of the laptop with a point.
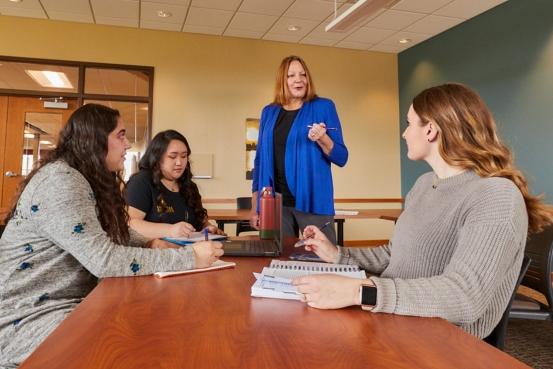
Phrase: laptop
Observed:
(259, 247)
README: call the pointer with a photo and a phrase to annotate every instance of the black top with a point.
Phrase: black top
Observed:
(160, 205)
(283, 124)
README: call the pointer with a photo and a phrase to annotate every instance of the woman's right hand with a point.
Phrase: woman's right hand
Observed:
(206, 253)
(316, 241)
(181, 229)
(254, 220)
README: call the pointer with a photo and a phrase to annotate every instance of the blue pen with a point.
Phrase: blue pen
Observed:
(206, 234)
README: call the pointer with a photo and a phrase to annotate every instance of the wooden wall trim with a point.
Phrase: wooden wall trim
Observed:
(336, 201)
(368, 200)
(365, 243)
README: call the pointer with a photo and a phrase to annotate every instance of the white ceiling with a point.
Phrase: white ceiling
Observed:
(416, 20)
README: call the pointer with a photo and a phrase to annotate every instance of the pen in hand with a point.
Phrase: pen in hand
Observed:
(301, 243)
(327, 128)
(206, 234)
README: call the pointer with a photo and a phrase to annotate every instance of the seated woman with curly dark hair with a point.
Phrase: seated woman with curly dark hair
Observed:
(69, 228)
(163, 199)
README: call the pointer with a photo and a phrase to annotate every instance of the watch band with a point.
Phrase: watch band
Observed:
(368, 296)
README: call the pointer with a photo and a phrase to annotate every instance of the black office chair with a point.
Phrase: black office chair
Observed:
(497, 337)
(540, 249)
(244, 225)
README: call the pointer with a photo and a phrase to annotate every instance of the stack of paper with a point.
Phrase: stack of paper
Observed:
(194, 237)
(275, 281)
(219, 264)
(346, 212)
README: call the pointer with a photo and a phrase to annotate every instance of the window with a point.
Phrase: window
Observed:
(122, 87)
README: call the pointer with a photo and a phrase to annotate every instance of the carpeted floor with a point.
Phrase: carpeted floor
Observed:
(531, 341)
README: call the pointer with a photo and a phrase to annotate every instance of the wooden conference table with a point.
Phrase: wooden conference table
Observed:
(223, 216)
(208, 320)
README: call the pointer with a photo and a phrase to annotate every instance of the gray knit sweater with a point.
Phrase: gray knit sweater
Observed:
(455, 253)
(53, 251)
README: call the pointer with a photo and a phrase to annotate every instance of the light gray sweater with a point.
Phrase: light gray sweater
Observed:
(52, 253)
(456, 252)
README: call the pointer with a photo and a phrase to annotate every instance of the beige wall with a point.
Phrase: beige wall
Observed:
(206, 86)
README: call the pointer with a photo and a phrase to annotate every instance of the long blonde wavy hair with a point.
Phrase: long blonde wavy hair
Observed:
(468, 139)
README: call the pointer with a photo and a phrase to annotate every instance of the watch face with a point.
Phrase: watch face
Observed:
(368, 295)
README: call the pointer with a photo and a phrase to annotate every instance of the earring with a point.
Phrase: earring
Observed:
(428, 140)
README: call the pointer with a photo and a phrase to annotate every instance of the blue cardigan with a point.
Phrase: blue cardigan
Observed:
(307, 167)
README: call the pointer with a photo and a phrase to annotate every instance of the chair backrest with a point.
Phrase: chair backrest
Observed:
(539, 248)
(244, 225)
(497, 337)
(243, 202)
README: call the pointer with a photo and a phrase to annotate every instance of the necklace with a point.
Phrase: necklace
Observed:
(435, 181)
(171, 186)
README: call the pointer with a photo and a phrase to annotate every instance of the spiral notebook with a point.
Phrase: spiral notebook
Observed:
(275, 281)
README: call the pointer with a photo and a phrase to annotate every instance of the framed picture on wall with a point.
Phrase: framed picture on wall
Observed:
(252, 132)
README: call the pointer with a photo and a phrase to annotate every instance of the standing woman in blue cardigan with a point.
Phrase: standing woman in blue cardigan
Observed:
(300, 136)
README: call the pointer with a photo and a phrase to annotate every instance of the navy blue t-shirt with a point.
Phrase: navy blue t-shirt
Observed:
(162, 206)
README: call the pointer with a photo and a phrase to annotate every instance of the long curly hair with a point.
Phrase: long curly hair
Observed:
(468, 139)
(151, 161)
(83, 144)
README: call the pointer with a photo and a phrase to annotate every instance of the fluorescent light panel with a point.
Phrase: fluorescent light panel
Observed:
(358, 12)
(47, 78)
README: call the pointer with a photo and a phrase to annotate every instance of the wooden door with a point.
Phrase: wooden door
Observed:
(30, 130)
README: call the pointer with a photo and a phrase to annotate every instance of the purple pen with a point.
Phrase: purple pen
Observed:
(206, 234)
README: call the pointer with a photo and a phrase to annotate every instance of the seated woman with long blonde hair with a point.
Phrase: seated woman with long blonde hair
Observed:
(458, 246)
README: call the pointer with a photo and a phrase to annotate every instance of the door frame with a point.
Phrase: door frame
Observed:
(11, 158)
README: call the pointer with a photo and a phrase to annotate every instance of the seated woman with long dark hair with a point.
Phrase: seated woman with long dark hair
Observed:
(163, 199)
(69, 228)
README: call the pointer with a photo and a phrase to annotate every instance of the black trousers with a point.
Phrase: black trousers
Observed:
(294, 221)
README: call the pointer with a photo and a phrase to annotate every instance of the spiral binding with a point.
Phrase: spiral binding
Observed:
(313, 267)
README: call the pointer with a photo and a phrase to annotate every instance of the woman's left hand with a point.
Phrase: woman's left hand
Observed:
(214, 230)
(327, 291)
(316, 132)
(157, 243)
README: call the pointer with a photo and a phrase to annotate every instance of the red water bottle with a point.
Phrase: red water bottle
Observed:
(267, 214)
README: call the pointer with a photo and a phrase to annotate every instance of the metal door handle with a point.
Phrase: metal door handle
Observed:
(10, 174)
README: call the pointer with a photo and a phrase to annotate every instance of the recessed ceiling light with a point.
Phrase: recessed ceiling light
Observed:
(45, 142)
(164, 14)
(293, 28)
(405, 40)
(16, 1)
(28, 135)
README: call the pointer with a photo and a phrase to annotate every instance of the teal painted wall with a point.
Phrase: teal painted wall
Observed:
(506, 54)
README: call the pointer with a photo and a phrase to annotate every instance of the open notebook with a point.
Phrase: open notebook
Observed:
(275, 281)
